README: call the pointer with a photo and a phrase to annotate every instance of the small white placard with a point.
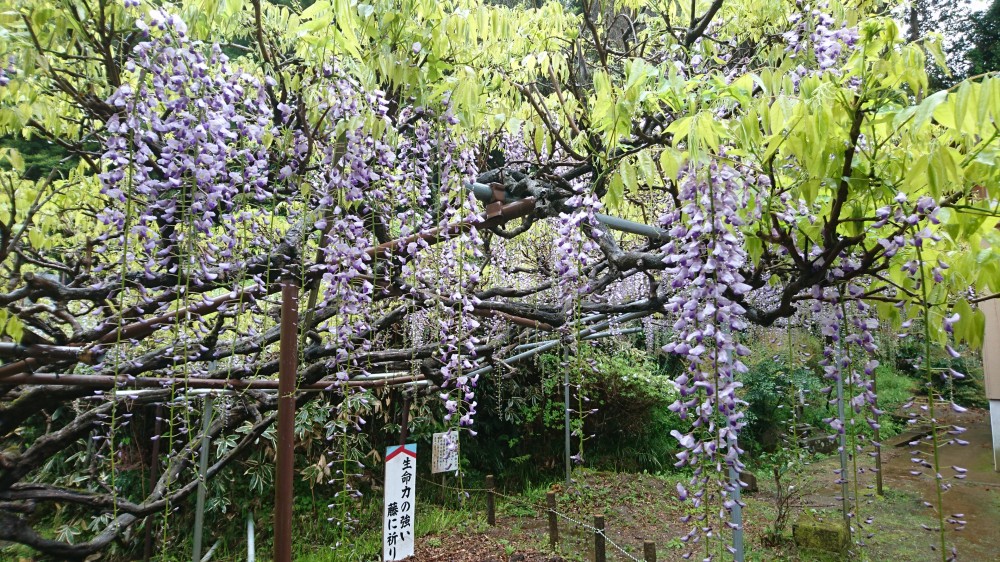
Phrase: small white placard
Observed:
(443, 458)
(400, 502)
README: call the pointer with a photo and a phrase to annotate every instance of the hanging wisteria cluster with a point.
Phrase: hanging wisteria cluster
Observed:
(846, 326)
(574, 250)
(435, 170)
(704, 257)
(916, 218)
(9, 71)
(191, 154)
(172, 150)
(816, 34)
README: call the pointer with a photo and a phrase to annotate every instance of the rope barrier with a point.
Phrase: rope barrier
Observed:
(596, 530)
(539, 507)
(421, 478)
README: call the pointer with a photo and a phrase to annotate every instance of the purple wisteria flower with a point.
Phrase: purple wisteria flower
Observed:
(703, 260)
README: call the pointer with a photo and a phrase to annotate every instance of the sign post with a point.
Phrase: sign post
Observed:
(400, 502)
(444, 453)
(991, 370)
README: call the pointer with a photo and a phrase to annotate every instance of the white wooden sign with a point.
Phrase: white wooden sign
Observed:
(443, 457)
(400, 502)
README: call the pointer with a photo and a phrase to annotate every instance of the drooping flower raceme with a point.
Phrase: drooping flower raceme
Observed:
(188, 141)
(703, 260)
(816, 33)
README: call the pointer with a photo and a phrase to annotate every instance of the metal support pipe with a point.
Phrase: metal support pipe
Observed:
(251, 547)
(211, 551)
(597, 336)
(567, 431)
(121, 383)
(531, 345)
(844, 489)
(199, 510)
(737, 514)
(484, 193)
(545, 346)
(609, 333)
(285, 449)
(624, 225)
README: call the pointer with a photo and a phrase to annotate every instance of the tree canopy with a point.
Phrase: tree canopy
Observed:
(445, 181)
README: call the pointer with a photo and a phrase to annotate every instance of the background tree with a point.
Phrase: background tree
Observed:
(984, 55)
(952, 24)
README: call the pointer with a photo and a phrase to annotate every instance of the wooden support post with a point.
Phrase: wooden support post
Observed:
(404, 422)
(491, 509)
(649, 551)
(599, 543)
(199, 510)
(550, 499)
(154, 475)
(288, 365)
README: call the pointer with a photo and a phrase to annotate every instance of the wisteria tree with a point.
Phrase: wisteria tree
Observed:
(445, 181)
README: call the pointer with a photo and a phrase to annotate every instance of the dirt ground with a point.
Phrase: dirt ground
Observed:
(638, 507)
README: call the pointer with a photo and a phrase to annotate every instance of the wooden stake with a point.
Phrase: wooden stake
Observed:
(550, 499)
(649, 551)
(491, 513)
(599, 543)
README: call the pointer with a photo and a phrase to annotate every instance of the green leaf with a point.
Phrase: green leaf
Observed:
(616, 191)
(962, 100)
(14, 328)
(670, 163)
(16, 161)
(810, 189)
(629, 177)
(966, 321)
(924, 111)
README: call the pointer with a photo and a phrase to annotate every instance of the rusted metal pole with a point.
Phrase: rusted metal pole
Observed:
(550, 499)
(491, 510)
(289, 356)
(600, 555)
(154, 475)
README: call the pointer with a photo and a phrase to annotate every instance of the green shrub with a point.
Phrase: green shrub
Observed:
(967, 391)
(772, 391)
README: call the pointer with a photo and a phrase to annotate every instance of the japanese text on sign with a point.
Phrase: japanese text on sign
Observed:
(444, 453)
(400, 500)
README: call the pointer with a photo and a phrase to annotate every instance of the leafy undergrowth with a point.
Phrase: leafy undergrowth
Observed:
(638, 507)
